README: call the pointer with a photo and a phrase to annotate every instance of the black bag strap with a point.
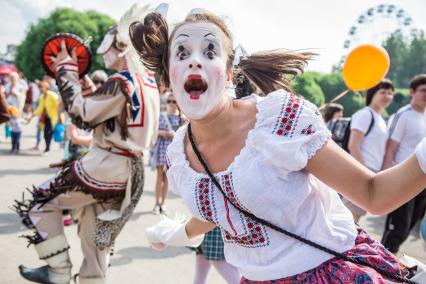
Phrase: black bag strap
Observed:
(285, 232)
(370, 127)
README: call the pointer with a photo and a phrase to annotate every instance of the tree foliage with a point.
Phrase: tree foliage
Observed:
(408, 58)
(321, 88)
(306, 85)
(84, 24)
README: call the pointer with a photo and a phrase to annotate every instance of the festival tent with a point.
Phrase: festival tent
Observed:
(7, 69)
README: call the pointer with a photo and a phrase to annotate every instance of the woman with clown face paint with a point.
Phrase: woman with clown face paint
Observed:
(106, 184)
(259, 170)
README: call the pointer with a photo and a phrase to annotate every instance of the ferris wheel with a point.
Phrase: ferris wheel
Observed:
(376, 24)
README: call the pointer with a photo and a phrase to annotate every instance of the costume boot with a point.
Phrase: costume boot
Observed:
(58, 269)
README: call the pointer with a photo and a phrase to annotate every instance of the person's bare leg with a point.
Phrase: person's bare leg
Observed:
(158, 184)
(164, 188)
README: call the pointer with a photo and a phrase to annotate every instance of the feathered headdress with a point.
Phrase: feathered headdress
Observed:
(119, 34)
(135, 13)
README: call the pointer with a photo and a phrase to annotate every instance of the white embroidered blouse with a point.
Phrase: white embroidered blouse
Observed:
(268, 179)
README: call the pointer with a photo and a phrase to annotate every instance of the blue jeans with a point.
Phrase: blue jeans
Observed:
(16, 138)
(48, 133)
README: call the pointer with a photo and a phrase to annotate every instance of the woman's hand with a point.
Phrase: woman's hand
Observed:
(177, 232)
(159, 246)
(166, 134)
(28, 119)
(63, 54)
(170, 134)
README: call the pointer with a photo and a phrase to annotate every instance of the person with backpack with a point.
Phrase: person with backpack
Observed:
(368, 136)
(333, 112)
(406, 130)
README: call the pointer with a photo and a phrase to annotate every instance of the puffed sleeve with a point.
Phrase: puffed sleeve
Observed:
(290, 130)
(177, 168)
(107, 102)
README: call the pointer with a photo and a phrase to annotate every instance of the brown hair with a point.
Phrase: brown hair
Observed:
(268, 70)
(417, 81)
(330, 110)
(385, 84)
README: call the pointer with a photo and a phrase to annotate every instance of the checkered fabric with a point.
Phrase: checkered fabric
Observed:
(162, 142)
(212, 245)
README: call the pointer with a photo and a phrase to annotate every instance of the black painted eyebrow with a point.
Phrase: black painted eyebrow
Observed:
(182, 35)
(210, 34)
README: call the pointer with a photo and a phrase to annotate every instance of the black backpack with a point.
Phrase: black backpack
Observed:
(341, 131)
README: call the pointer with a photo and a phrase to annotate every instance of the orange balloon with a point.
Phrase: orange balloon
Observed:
(365, 66)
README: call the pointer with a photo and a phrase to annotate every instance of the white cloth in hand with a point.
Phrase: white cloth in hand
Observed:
(171, 232)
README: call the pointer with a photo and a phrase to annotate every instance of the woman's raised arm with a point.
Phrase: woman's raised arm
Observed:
(377, 193)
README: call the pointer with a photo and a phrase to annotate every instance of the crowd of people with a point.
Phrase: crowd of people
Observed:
(234, 150)
(379, 145)
(39, 99)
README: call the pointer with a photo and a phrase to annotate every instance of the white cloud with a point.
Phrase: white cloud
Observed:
(259, 25)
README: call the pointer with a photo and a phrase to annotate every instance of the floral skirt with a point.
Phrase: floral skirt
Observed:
(338, 270)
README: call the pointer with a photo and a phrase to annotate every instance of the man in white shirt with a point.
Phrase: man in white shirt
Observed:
(407, 129)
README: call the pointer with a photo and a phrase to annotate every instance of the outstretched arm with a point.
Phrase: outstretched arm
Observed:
(377, 193)
(107, 102)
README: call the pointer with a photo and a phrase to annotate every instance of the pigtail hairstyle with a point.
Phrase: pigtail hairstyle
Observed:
(273, 70)
(268, 70)
(150, 39)
(243, 86)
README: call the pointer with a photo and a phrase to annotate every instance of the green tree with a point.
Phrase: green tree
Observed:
(307, 86)
(332, 85)
(397, 49)
(84, 24)
(408, 58)
(415, 60)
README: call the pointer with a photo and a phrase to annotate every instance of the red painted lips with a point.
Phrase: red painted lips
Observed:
(195, 86)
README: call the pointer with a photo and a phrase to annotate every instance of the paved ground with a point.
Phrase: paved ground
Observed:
(134, 261)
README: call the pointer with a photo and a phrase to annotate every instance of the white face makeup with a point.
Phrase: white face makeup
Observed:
(198, 68)
(111, 57)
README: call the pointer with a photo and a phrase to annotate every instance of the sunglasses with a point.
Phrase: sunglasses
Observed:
(171, 102)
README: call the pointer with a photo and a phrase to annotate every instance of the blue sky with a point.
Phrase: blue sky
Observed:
(321, 26)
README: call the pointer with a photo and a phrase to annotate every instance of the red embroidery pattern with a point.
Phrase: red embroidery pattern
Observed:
(229, 191)
(308, 130)
(205, 200)
(254, 234)
(289, 116)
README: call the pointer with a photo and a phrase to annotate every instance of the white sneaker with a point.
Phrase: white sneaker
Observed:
(156, 210)
(163, 210)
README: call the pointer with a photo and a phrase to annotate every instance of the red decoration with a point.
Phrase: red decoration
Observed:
(52, 47)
